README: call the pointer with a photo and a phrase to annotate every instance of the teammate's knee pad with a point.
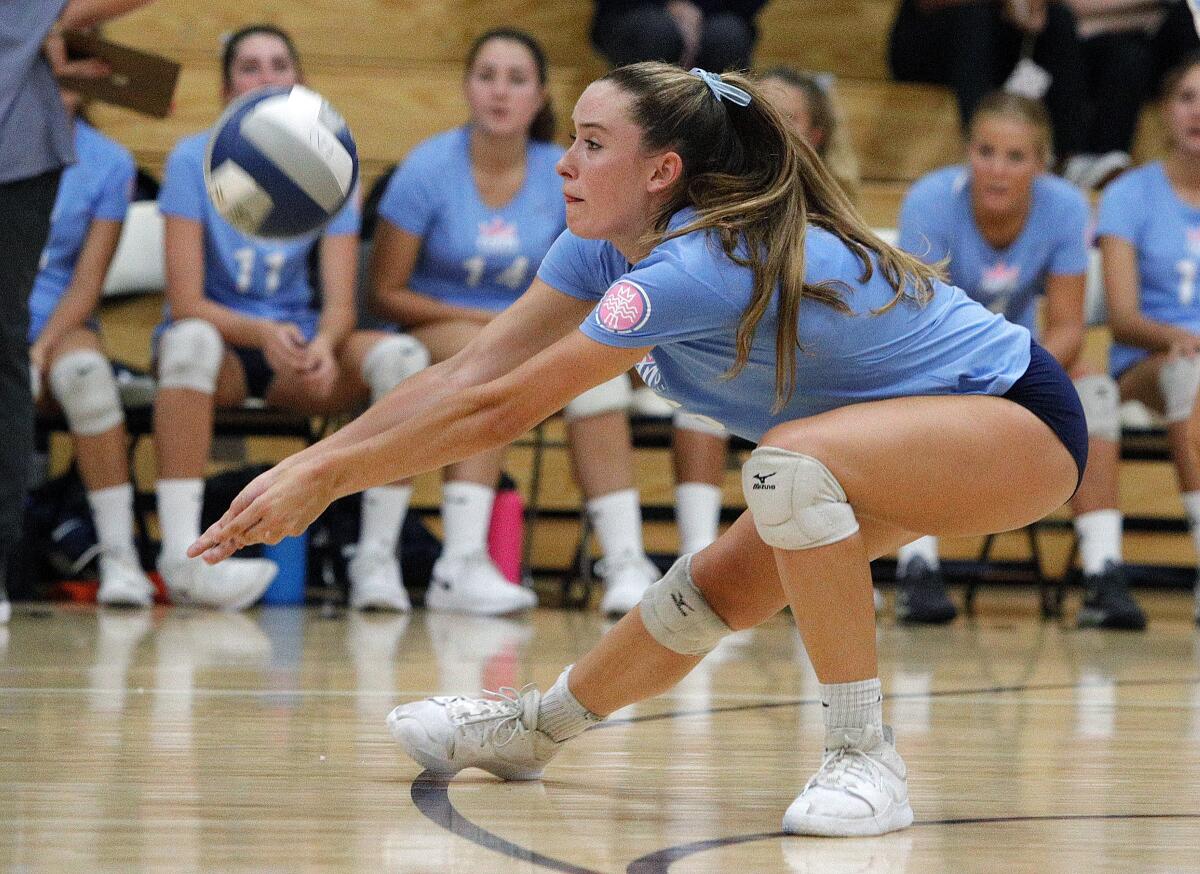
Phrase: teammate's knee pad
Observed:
(83, 385)
(685, 421)
(677, 615)
(189, 356)
(391, 361)
(607, 397)
(1179, 380)
(1101, 401)
(795, 501)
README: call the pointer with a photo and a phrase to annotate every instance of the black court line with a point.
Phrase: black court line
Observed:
(432, 798)
(901, 696)
(660, 861)
(432, 795)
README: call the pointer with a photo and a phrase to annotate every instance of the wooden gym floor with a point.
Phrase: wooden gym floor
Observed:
(199, 741)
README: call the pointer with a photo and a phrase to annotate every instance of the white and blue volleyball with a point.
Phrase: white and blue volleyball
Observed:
(281, 163)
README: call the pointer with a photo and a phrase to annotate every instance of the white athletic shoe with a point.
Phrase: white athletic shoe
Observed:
(5, 609)
(498, 734)
(376, 582)
(234, 584)
(861, 789)
(473, 584)
(626, 578)
(123, 583)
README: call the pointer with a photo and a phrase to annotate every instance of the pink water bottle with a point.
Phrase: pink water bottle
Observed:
(506, 535)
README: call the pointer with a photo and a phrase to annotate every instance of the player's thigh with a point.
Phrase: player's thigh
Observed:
(1140, 382)
(740, 580)
(952, 465)
(446, 339)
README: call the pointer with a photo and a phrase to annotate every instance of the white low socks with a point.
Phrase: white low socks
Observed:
(466, 516)
(697, 515)
(179, 504)
(1099, 534)
(617, 521)
(560, 715)
(112, 515)
(925, 548)
(852, 705)
(383, 512)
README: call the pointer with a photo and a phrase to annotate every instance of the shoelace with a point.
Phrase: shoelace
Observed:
(490, 718)
(843, 768)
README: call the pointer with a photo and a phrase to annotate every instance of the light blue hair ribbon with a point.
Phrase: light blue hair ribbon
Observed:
(721, 89)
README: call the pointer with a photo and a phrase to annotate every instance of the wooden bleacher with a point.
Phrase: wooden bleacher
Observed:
(394, 69)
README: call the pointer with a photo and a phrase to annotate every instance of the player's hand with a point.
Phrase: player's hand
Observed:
(280, 503)
(690, 20)
(320, 369)
(284, 347)
(54, 48)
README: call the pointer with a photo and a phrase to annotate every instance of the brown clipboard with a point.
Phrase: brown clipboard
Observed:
(139, 80)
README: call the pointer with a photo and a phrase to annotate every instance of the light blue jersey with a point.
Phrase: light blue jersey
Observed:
(686, 298)
(936, 222)
(99, 185)
(472, 255)
(267, 279)
(1142, 208)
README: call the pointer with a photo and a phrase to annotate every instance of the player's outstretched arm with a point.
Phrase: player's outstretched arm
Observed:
(519, 370)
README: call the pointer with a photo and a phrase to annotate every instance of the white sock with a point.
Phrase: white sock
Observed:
(466, 515)
(617, 521)
(560, 715)
(924, 548)
(112, 514)
(852, 705)
(697, 513)
(383, 511)
(1099, 535)
(179, 504)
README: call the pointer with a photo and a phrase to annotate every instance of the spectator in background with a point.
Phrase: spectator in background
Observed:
(1127, 46)
(463, 226)
(244, 321)
(975, 46)
(713, 34)
(1012, 233)
(65, 352)
(35, 146)
(1148, 230)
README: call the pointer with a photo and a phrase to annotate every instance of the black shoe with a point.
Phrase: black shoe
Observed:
(921, 596)
(1108, 603)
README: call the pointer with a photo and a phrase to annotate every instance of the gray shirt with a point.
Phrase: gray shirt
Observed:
(35, 136)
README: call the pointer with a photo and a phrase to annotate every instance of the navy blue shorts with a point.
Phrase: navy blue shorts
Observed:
(1047, 392)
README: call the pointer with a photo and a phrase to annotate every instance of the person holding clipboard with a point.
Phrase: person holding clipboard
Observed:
(35, 145)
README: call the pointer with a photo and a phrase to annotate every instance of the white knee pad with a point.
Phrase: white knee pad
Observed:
(677, 615)
(83, 385)
(189, 356)
(1101, 405)
(607, 397)
(685, 421)
(391, 361)
(794, 499)
(1179, 380)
